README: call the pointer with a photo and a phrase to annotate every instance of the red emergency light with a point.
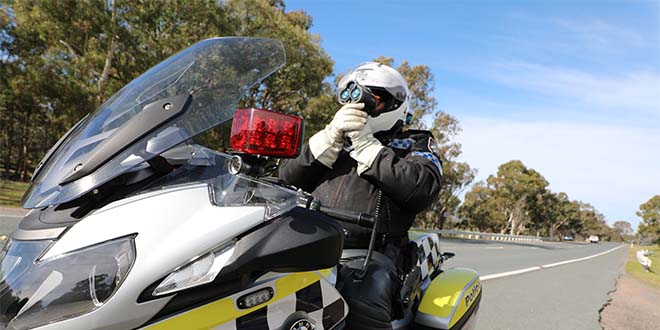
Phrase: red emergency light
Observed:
(266, 133)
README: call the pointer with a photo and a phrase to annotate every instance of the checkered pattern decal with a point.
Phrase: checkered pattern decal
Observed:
(401, 143)
(320, 300)
(428, 252)
(430, 156)
(405, 144)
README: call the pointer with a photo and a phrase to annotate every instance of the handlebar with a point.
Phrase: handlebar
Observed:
(361, 219)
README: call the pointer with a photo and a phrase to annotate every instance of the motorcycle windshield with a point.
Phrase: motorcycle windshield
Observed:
(200, 86)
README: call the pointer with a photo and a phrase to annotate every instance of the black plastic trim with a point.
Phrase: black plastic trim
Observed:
(48, 218)
(151, 117)
(299, 240)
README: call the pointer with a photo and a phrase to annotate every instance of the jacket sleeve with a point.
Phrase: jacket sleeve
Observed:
(413, 181)
(304, 171)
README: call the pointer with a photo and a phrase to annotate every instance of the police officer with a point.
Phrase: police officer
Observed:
(368, 163)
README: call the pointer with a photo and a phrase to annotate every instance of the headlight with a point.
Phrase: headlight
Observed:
(38, 292)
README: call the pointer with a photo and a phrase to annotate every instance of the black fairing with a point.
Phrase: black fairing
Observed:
(50, 217)
(151, 117)
(299, 240)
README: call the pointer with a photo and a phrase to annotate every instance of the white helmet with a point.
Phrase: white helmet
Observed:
(386, 83)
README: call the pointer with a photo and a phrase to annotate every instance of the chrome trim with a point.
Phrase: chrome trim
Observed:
(353, 253)
(40, 234)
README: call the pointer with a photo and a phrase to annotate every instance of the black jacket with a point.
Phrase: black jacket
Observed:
(408, 170)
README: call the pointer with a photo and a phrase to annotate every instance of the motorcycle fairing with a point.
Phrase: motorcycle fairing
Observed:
(451, 298)
(451, 301)
(305, 294)
(314, 240)
(172, 225)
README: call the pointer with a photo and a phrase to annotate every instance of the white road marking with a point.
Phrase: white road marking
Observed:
(531, 269)
(494, 248)
(445, 248)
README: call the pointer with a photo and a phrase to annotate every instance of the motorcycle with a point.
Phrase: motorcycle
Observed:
(132, 225)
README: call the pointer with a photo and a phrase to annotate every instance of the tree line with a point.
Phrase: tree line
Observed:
(62, 59)
(516, 200)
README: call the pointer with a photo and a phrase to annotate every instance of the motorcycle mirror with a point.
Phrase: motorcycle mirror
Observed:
(262, 132)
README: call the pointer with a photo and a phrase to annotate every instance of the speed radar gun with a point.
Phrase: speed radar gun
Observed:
(356, 93)
(134, 226)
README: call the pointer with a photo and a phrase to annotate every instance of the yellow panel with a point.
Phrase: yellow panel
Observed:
(225, 310)
(467, 299)
(325, 272)
(443, 297)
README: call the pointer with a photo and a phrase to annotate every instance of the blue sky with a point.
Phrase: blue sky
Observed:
(571, 88)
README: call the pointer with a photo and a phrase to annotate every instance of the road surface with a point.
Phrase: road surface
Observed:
(9, 218)
(567, 296)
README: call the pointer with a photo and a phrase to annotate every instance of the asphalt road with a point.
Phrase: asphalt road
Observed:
(568, 296)
(8, 223)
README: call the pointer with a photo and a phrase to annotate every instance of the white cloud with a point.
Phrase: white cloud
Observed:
(601, 34)
(636, 91)
(613, 168)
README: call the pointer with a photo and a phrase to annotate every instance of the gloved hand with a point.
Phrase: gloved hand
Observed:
(349, 118)
(327, 143)
(365, 147)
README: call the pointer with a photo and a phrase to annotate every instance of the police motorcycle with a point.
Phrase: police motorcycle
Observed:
(134, 226)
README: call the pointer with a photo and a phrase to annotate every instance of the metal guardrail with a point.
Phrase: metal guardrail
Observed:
(484, 236)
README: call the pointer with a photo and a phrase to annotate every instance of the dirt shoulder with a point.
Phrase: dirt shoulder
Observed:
(633, 306)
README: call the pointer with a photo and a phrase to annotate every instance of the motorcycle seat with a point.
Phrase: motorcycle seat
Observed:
(354, 258)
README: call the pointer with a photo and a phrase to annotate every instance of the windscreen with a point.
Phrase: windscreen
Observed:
(214, 72)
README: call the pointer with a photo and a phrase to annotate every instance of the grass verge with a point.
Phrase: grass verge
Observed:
(634, 268)
(11, 192)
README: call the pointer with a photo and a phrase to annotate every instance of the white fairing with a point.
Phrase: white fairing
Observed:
(172, 226)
